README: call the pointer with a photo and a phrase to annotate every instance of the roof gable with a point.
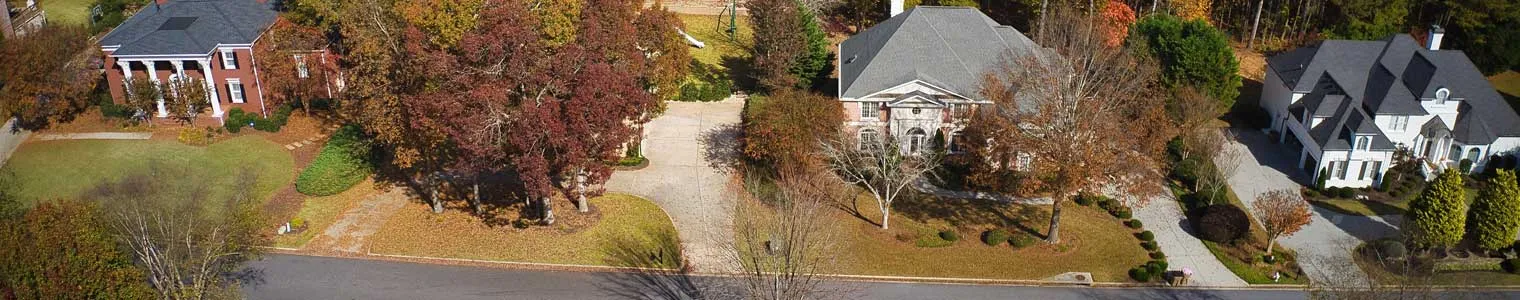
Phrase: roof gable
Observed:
(190, 27)
(949, 46)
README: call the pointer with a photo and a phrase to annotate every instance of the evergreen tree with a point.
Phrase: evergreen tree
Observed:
(1495, 215)
(1436, 217)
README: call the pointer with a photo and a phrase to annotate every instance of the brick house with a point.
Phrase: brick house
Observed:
(211, 40)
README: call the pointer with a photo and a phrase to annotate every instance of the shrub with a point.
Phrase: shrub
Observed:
(1084, 200)
(297, 222)
(235, 120)
(783, 129)
(1346, 192)
(1156, 267)
(1158, 255)
(715, 88)
(949, 235)
(1465, 165)
(995, 237)
(1222, 223)
(1140, 274)
(1108, 204)
(1148, 245)
(1121, 213)
(1386, 183)
(1511, 265)
(1146, 236)
(194, 137)
(1021, 240)
(113, 110)
(1492, 217)
(1133, 223)
(1324, 174)
(342, 163)
(265, 125)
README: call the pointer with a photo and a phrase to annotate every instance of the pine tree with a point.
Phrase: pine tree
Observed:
(1495, 215)
(1436, 217)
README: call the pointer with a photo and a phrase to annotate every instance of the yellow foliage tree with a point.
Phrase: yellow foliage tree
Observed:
(1193, 9)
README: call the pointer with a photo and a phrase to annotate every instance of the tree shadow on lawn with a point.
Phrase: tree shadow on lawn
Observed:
(970, 214)
(499, 192)
(741, 70)
(654, 272)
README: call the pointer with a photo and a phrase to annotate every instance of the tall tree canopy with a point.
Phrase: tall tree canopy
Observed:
(1488, 31)
(1058, 122)
(791, 49)
(46, 76)
(1436, 217)
(1495, 215)
(669, 58)
(1192, 53)
(296, 64)
(1367, 19)
(63, 250)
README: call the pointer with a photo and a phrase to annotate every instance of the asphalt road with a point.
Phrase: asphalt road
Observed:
(307, 277)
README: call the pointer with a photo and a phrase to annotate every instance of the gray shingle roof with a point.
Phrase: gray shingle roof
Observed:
(1391, 77)
(190, 26)
(950, 47)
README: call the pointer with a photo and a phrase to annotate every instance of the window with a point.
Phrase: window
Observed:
(1363, 143)
(869, 111)
(1472, 154)
(1399, 123)
(229, 59)
(867, 138)
(1362, 175)
(955, 142)
(1442, 94)
(1024, 161)
(916, 139)
(961, 111)
(301, 71)
(1339, 168)
(1377, 171)
(235, 90)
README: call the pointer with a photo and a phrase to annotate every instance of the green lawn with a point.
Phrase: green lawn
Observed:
(75, 12)
(707, 29)
(63, 169)
(627, 231)
(1363, 208)
(1092, 241)
(1508, 84)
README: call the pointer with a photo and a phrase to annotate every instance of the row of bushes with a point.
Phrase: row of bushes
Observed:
(1143, 273)
(236, 119)
(1113, 207)
(341, 164)
(705, 85)
(999, 236)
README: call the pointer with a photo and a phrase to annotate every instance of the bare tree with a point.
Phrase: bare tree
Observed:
(186, 98)
(1283, 213)
(1080, 116)
(880, 166)
(1218, 163)
(786, 240)
(189, 250)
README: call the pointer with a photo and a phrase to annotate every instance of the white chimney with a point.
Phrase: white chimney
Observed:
(31, 3)
(897, 8)
(1433, 40)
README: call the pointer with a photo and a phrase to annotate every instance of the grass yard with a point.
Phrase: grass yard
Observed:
(63, 169)
(1363, 208)
(620, 229)
(321, 212)
(1508, 84)
(1092, 241)
(706, 29)
(1384, 275)
(73, 12)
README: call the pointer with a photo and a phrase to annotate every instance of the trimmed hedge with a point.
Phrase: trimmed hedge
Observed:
(341, 164)
(949, 235)
(995, 237)
(236, 119)
(1021, 240)
(1141, 274)
(1146, 236)
(1133, 223)
(1511, 265)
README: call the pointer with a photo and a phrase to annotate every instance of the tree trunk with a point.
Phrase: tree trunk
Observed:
(885, 215)
(1270, 243)
(580, 191)
(1254, 24)
(548, 211)
(1041, 31)
(1055, 224)
(476, 192)
(433, 197)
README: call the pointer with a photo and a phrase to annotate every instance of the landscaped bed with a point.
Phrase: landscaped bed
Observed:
(45, 170)
(1091, 241)
(1395, 269)
(621, 228)
(317, 213)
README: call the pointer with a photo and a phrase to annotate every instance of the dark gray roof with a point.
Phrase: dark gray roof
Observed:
(950, 47)
(190, 26)
(1390, 77)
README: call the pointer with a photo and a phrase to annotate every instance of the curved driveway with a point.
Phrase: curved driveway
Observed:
(689, 150)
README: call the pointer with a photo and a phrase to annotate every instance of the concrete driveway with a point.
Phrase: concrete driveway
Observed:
(690, 150)
(1325, 245)
(9, 140)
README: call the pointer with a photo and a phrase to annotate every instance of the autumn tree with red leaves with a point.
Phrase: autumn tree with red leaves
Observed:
(1282, 213)
(1116, 19)
(1061, 120)
(296, 65)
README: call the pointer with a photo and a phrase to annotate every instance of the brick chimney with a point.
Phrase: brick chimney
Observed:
(1433, 38)
(6, 29)
(896, 7)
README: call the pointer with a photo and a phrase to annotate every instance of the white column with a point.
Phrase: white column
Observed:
(216, 103)
(153, 74)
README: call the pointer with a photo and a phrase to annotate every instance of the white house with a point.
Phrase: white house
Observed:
(917, 75)
(1348, 105)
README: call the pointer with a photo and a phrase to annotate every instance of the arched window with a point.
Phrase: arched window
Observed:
(916, 139)
(1363, 143)
(1442, 94)
(1472, 154)
(867, 138)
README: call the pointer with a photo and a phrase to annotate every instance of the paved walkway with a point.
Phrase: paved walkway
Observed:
(10, 140)
(96, 136)
(690, 150)
(350, 233)
(1325, 245)
(1163, 217)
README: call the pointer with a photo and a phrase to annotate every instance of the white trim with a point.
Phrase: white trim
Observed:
(228, 59)
(916, 81)
(241, 95)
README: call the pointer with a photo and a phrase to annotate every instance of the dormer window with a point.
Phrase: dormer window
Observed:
(1363, 143)
(1442, 95)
